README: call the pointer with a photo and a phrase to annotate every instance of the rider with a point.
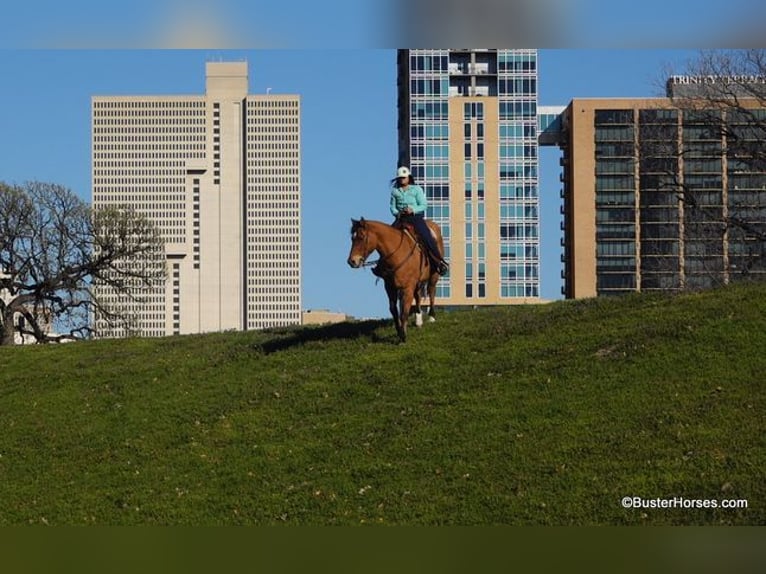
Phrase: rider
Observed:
(408, 205)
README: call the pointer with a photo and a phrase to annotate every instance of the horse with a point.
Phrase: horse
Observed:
(403, 265)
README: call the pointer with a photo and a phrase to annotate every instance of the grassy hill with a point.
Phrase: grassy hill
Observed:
(530, 415)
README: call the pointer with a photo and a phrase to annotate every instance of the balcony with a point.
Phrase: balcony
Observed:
(478, 91)
(478, 69)
(467, 69)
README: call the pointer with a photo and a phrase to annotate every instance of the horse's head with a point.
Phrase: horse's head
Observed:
(361, 243)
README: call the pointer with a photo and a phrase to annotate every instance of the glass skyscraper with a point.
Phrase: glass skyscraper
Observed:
(468, 131)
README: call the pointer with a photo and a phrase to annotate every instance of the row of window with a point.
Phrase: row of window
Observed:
(132, 181)
(507, 131)
(149, 123)
(510, 231)
(430, 151)
(481, 252)
(148, 104)
(274, 148)
(429, 110)
(260, 131)
(520, 290)
(526, 86)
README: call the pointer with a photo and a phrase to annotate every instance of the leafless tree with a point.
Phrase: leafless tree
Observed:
(54, 249)
(720, 180)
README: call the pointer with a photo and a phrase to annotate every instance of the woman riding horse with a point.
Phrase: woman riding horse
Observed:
(408, 205)
(406, 264)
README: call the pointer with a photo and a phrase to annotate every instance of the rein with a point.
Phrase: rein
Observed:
(415, 246)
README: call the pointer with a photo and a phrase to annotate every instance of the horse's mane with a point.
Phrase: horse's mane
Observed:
(356, 224)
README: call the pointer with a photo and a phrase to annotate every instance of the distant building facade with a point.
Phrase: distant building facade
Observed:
(650, 192)
(322, 316)
(468, 131)
(19, 321)
(219, 174)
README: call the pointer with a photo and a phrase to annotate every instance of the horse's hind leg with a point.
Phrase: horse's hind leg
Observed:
(418, 310)
(432, 281)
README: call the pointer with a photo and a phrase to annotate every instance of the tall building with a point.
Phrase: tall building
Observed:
(655, 198)
(468, 131)
(219, 174)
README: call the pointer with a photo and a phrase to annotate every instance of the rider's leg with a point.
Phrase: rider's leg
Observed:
(425, 233)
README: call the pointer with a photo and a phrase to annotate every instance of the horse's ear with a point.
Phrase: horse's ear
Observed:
(361, 220)
(354, 221)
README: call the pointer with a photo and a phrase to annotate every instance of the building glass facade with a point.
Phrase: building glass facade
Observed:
(468, 131)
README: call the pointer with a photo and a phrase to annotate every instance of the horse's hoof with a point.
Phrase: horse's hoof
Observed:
(418, 319)
(432, 319)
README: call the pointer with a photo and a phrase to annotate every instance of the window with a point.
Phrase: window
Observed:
(473, 110)
(613, 117)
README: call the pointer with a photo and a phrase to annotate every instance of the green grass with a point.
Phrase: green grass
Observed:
(529, 415)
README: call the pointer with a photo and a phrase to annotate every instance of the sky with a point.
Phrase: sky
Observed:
(339, 56)
(348, 116)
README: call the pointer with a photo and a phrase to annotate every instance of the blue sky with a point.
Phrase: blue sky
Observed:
(382, 23)
(348, 100)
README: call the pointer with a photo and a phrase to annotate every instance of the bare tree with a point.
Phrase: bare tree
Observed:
(715, 164)
(54, 249)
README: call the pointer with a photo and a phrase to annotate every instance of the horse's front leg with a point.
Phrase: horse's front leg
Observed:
(405, 300)
(392, 293)
(432, 281)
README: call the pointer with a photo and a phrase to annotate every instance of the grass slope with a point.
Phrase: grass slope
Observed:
(529, 415)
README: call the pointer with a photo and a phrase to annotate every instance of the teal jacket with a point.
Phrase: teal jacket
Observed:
(412, 197)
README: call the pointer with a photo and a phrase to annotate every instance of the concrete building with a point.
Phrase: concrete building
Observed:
(468, 131)
(652, 195)
(219, 174)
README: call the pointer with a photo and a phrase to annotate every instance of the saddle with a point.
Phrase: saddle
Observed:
(409, 229)
(382, 270)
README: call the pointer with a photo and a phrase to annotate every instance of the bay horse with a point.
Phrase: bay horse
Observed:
(403, 266)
